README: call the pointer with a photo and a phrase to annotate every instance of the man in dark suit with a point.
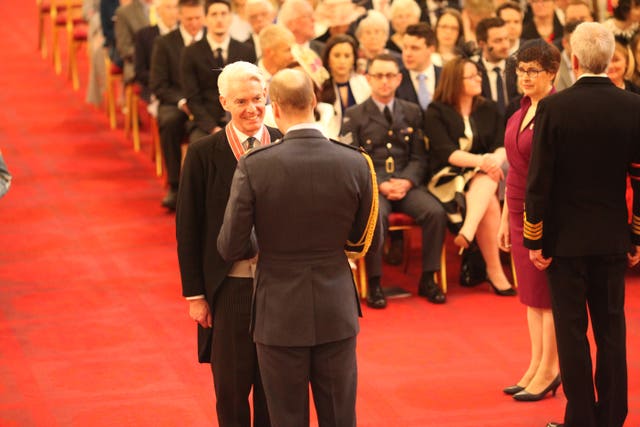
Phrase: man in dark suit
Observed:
(201, 65)
(419, 75)
(511, 13)
(166, 85)
(260, 13)
(497, 84)
(298, 17)
(130, 19)
(219, 292)
(586, 140)
(390, 130)
(320, 203)
(143, 43)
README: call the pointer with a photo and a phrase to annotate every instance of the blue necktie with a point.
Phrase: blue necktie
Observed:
(424, 97)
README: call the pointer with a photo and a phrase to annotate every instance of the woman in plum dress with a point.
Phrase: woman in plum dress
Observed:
(537, 65)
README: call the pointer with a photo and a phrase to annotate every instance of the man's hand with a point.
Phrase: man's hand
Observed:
(504, 236)
(633, 257)
(199, 311)
(395, 188)
(184, 107)
(540, 262)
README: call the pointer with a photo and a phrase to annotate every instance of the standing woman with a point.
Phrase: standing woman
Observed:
(344, 87)
(537, 63)
(466, 134)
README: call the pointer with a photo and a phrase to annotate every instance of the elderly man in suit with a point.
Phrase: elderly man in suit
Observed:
(201, 65)
(219, 292)
(390, 130)
(166, 85)
(321, 202)
(576, 225)
(129, 19)
(260, 13)
(143, 43)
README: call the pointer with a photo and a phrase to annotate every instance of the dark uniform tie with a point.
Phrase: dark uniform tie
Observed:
(500, 90)
(249, 143)
(387, 114)
(218, 61)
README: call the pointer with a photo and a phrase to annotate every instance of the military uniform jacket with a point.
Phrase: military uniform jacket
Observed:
(306, 196)
(365, 126)
(203, 193)
(586, 140)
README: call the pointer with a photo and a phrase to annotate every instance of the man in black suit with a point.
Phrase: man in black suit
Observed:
(166, 85)
(219, 292)
(143, 43)
(201, 65)
(390, 130)
(586, 140)
(511, 13)
(419, 75)
(319, 204)
(129, 19)
(260, 13)
(497, 84)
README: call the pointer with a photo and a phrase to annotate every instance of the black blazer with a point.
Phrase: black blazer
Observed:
(365, 126)
(200, 80)
(164, 76)
(511, 81)
(202, 198)
(444, 126)
(586, 139)
(406, 90)
(143, 48)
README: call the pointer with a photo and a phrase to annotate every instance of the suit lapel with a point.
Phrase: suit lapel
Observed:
(371, 110)
(225, 160)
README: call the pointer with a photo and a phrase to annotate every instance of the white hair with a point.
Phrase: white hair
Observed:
(259, 2)
(374, 19)
(593, 44)
(292, 9)
(239, 71)
(404, 6)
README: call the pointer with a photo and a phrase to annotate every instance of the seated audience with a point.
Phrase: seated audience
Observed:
(465, 133)
(5, 177)
(372, 35)
(618, 68)
(336, 16)
(473, 12)
(624, 23)
(403, 14)
(578, 10)
(260, 13)
(511, 13)
(565, 76)
(635, 60)
(129, 20)
(544, 22)
(449, 37)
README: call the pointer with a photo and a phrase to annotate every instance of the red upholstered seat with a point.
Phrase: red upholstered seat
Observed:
(80, 32)
(398, 219)
(115, 70)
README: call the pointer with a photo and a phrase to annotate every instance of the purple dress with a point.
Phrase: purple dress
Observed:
(532, 283)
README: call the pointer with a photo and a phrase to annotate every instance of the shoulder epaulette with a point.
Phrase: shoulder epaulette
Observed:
(262, 148)
(342, 144)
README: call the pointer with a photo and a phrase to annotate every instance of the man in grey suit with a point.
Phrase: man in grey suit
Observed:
(309, 200)
(130, 19)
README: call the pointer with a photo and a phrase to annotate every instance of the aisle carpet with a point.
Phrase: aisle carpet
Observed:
(93, 331)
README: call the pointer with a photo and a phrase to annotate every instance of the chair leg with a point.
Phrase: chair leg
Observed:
(155, 137)
(42, 43)
(135, 125)
(443, 269)
(55, 37)
(128, 95)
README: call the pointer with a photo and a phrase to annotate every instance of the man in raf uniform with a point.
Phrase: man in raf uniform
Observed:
(389, 129)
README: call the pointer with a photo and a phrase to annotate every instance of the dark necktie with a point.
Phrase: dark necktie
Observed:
(500, 90)
(249, 143)
(218, 62)
(387, 114)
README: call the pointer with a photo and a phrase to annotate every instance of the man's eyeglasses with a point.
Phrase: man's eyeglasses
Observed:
(532, 73)
(381, 76)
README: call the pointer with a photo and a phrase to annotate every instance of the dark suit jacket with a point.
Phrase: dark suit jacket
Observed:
(365, 126)
(200, 80)
(444, 126)
(143, 42)
(129, 20)
(303, 215)
(585, 141)
(510, 80)
(406, 90)
(164, 79)
(202, 197)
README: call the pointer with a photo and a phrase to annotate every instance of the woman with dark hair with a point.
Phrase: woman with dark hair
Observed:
(344, 87)
(537, 63)
(619, 68)
(465, 136)
(625, 22)
(449, 37)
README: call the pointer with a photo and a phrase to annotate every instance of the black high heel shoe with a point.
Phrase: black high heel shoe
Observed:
(502, 292)
(525, 396)
(512, 389)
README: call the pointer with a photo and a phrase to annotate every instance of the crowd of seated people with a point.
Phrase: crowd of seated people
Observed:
(453, 62)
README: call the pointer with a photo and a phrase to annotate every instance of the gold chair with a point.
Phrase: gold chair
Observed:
(77, 34)
(113, 82)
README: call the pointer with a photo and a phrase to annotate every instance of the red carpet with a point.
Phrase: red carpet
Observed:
(93, 331)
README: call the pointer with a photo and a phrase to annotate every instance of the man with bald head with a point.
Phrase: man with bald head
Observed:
(321, 204)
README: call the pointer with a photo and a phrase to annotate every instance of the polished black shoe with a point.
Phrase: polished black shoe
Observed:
(429, 289)
(376, 298)
(502, 292)
(553, 424)
(395, 253)
(473, 269)
(525, 396)
(512, 389)
(170, 200)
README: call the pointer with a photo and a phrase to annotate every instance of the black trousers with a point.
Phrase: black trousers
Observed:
(234, 361)
(428, 213)
(596, 283)
(171, 126)
(331, 369)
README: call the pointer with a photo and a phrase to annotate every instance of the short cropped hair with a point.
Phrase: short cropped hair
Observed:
(509, 4)
(538, 50)
(483, 27)
(373, 19)
(385, 57)
(290, 10)
(208, 4)
(423, 31)
(292, 90)
(593, 44)
(404, 6)
(239, 71)
(190, 3)
(273, 34)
